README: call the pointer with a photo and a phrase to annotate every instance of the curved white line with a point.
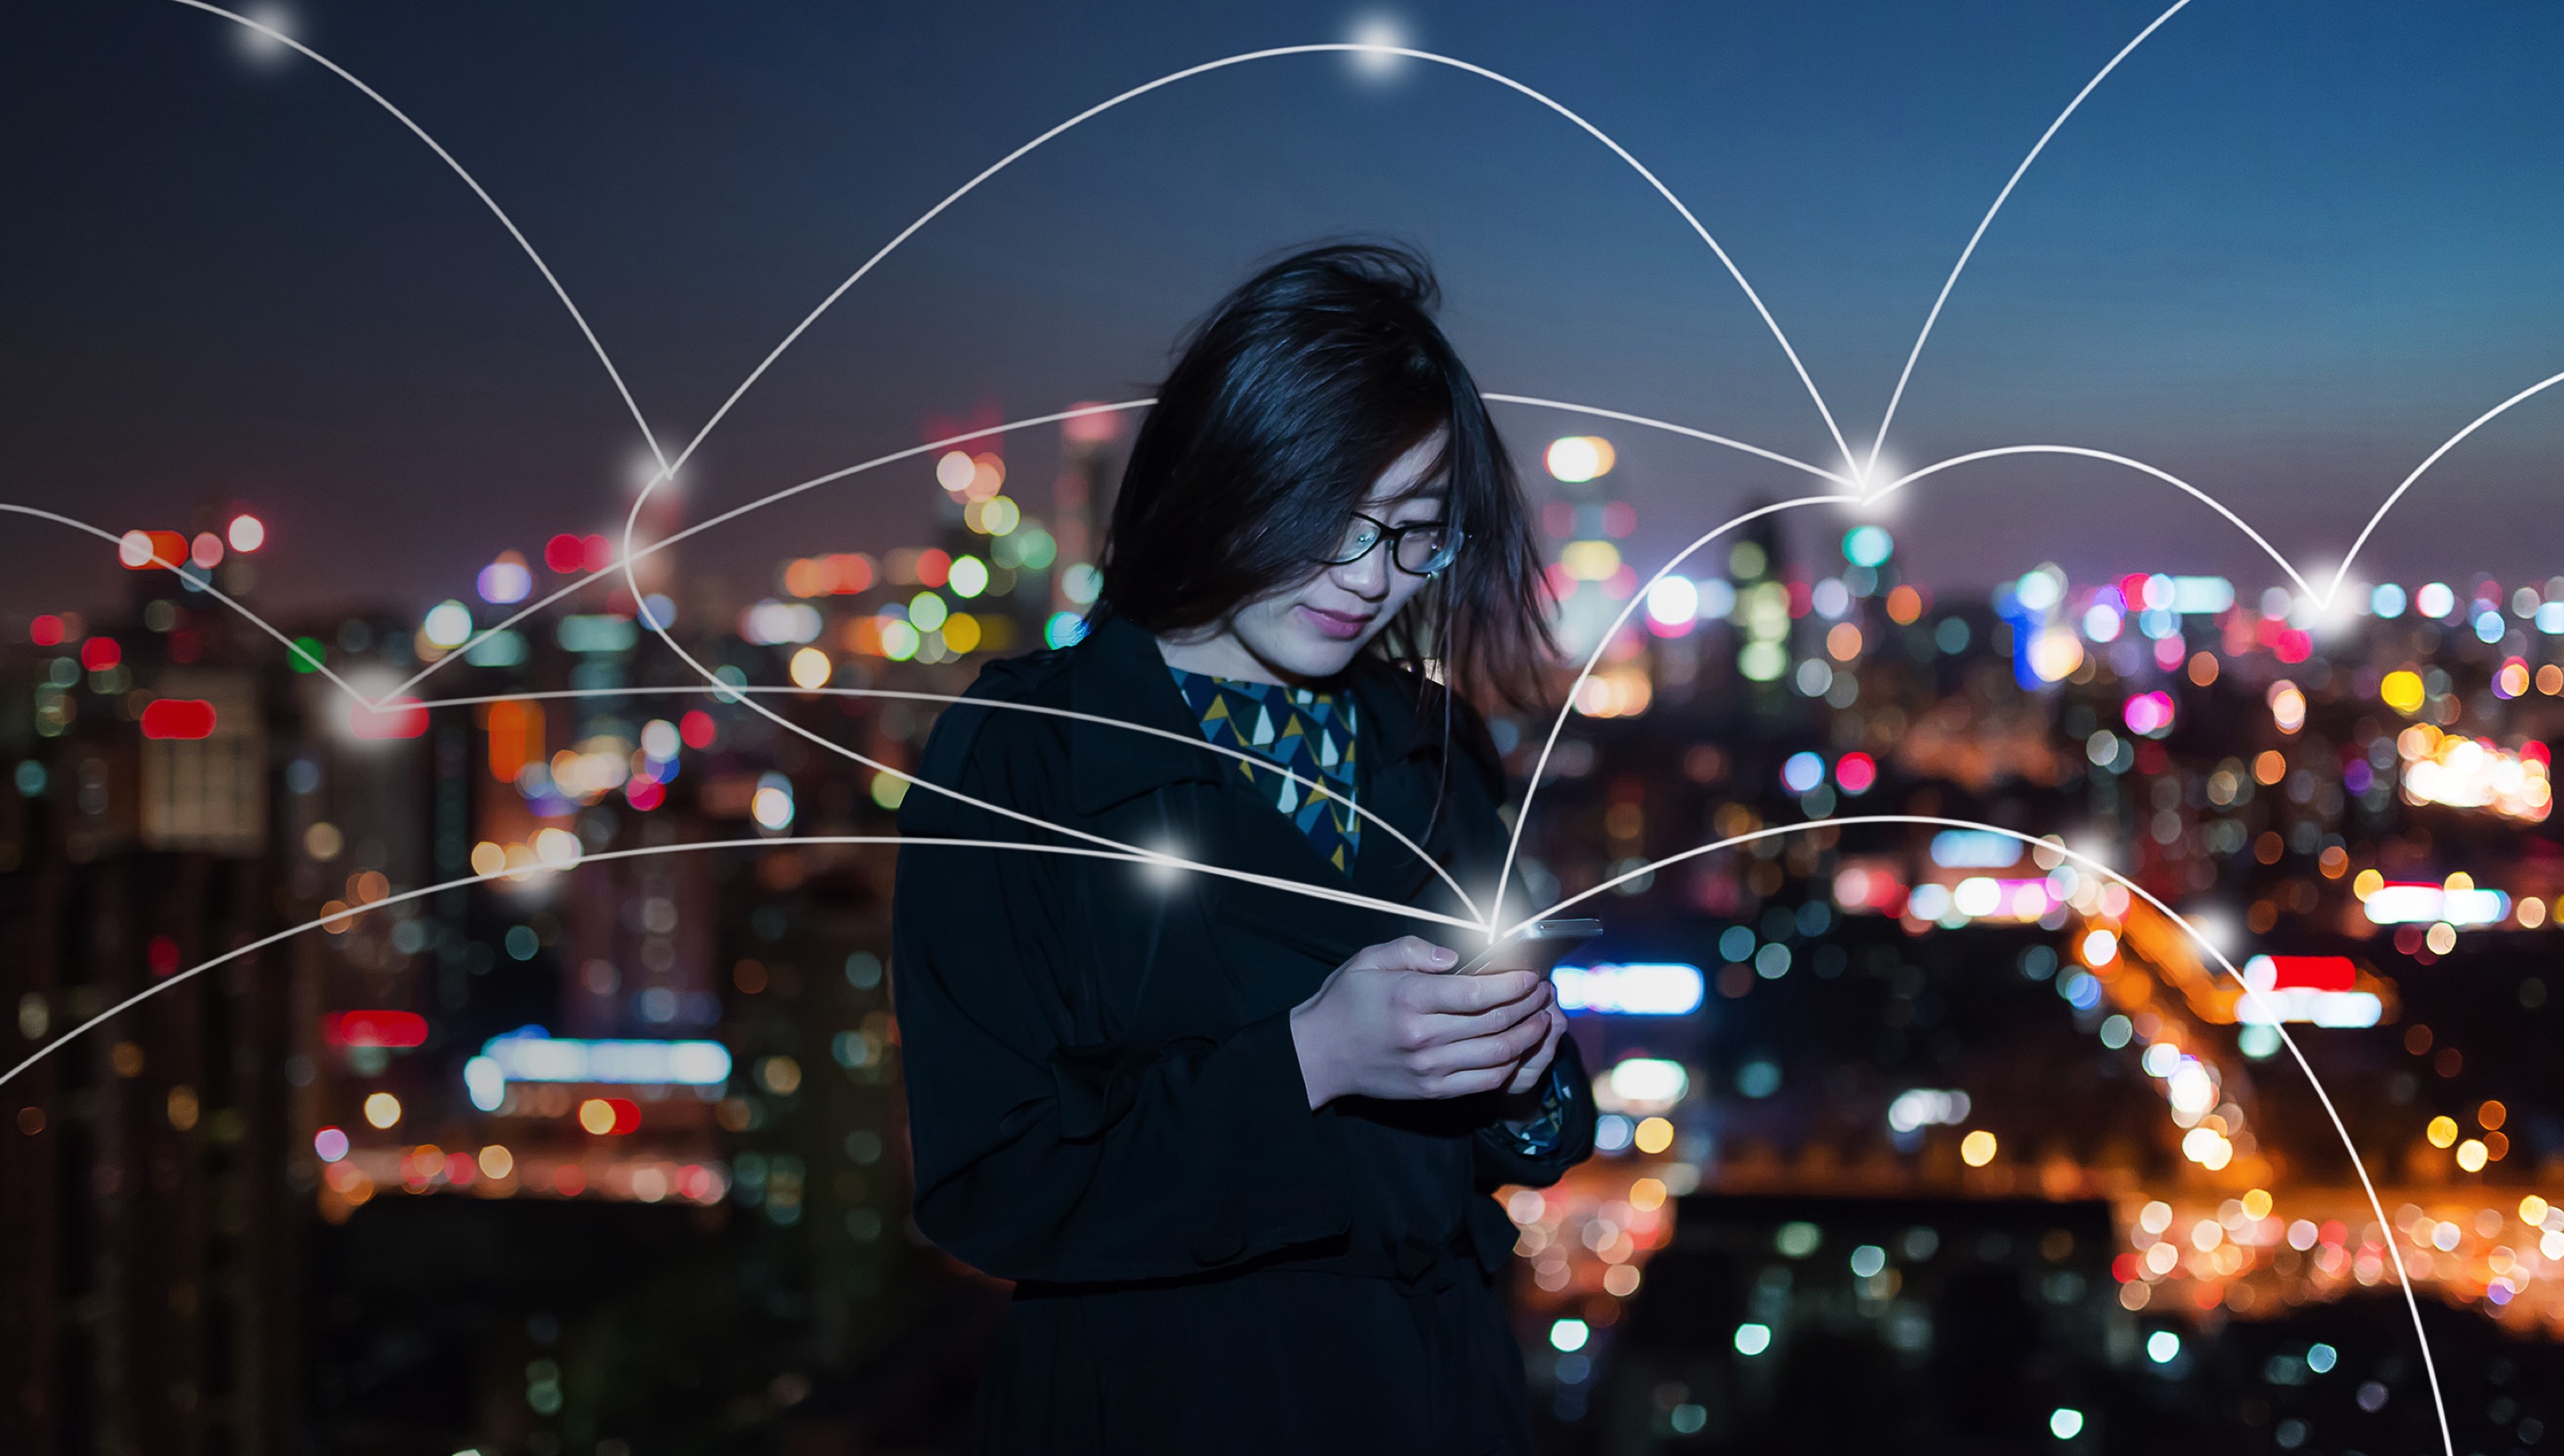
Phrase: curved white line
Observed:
(202, 584)
(1267, 54)
(902, 694)
(1140, 857)
(2480, 421)
(1653, 424)
(1879, 441)
(759, 504)
(632, 583)
(2140, 466)
(492, 203)
(1530, 789)
(2401, 1278)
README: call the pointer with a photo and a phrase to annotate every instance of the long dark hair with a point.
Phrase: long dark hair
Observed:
(1284, 406)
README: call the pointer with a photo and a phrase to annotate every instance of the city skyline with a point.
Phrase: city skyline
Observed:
(976, 332)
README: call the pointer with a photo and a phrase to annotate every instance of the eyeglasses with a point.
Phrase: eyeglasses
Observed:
(1420, 548)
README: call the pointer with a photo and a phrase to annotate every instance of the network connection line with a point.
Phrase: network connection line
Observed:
(1558, 722)
(1244, 58)
(202, 584)
(2487, 417)
(492, 203)
(2085, 451)
(1598, 412)
(660, 630)
(2403, 1278)
(1148, 858)
(1878, 442)
(759, 504)
(1044, 709)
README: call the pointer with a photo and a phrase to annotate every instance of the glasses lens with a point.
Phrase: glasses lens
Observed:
(1360, 536)
(1428, 550)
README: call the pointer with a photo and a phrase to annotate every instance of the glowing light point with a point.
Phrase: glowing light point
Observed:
(448, 624)
(1576, 459)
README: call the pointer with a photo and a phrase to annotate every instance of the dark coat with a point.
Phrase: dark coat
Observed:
(1106, 1103)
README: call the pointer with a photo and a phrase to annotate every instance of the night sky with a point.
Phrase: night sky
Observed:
(2283, 252)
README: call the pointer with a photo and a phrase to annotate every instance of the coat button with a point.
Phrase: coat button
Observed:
(1218, 1248)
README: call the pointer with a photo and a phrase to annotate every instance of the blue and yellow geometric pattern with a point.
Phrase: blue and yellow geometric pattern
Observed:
(1310, 734)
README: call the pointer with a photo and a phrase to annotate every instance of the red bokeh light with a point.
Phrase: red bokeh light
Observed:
(564, 554)
(178, 717)
(697, 729)
(46, 631)
(100, 653)
(1856, 773)
(151, 550)
(162, 952)
(374, 1029)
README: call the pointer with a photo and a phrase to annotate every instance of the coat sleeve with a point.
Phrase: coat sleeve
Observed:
(1044, 1149)
(1536, 1144)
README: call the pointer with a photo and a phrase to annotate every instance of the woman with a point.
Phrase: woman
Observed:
(1235, 1142)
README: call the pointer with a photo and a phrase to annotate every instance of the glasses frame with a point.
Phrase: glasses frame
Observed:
(1396, 537)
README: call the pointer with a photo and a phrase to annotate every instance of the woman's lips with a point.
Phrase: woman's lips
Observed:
(1342, 626)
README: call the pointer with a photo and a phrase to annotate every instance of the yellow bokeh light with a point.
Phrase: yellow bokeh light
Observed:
(383, 1109)
(961, 633)
(2470, 1155)
(1977, 1149)
(2055, 654)
(1648, 1195)
(811, 668)
(1654, 1134)
(496, 1161)
(2443, 1131)
(596, 1116)
(2401, 691)
(2532, 1210)
(2367, 882)
(2256, 1203)
(487, 858)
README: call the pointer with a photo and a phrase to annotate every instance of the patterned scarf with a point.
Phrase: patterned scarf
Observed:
(1310, 734)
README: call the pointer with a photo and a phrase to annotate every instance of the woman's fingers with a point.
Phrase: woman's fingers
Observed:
(1528, 1077)
(1439, 1029)
(1406, 952)
(1462, 995)
(1499, 1051)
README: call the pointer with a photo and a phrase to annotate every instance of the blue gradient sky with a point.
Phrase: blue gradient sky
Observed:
(2283, 252)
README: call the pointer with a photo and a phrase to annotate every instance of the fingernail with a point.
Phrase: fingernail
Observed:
(1444, 955)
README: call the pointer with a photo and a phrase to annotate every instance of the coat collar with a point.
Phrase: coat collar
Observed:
(1117, 672)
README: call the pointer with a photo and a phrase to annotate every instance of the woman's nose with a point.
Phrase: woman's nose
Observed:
(1367, 578)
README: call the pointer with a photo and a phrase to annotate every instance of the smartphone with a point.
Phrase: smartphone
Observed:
(1535, 947)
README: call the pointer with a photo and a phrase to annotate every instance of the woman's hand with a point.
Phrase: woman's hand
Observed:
(1392, 1022)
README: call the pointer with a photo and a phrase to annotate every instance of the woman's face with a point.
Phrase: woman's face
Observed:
(1313, 630)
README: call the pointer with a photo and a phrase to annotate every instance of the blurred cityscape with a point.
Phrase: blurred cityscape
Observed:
(1918, 1135)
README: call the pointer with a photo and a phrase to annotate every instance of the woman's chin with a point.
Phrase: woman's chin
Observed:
(1316, 657)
